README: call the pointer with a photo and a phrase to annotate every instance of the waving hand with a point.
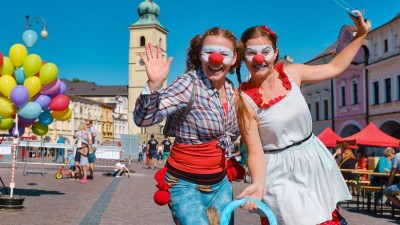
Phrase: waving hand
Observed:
(157, 70)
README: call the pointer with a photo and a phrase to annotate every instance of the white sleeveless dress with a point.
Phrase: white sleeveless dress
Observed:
(303, 182)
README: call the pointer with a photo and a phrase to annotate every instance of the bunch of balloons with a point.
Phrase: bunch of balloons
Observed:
(30, 89)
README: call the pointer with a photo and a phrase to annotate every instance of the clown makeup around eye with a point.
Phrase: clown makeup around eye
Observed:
(207, 50)
(252, 50)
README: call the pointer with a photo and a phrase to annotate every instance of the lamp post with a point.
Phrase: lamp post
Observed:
(30, 36)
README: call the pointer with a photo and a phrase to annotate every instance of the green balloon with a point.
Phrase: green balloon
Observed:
(39, 129)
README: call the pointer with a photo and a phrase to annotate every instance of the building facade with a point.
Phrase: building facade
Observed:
(367, 91)
(147, 29)
(383, 75)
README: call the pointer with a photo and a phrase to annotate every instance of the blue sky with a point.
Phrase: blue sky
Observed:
(88, 39)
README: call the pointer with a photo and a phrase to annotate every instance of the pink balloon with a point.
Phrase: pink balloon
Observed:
(51, 88)
(59, 103)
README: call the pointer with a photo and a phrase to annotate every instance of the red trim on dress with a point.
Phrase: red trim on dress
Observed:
(254, 93)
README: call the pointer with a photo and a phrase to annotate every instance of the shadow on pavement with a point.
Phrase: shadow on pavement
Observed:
(35, 192)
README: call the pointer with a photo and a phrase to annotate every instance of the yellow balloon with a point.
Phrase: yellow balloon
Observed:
(18, 54)
(7, 68)
(6, 123)
(62, 115)
(6, 107)
(32, 65)
(7, 83)
(33, 85)
(48, 73)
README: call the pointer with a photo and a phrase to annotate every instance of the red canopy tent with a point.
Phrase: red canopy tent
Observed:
(371, 135)
(329, 137)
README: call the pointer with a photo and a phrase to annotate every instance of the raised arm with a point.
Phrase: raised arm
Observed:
(315, 73)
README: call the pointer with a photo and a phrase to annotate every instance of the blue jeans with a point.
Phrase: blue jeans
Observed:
(198, 204)
(393, 189)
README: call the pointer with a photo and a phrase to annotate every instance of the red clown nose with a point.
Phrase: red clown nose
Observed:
(215, 58)
(258, 59)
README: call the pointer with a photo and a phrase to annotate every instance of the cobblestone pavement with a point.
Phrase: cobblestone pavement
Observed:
(108, 200)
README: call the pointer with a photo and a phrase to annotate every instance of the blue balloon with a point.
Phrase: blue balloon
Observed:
(45, 118)
(30, 110)
(29, 37)
(19, 75)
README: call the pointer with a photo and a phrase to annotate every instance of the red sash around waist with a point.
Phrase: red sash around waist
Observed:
(204, 158)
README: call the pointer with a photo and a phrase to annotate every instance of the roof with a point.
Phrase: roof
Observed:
(92, 89)
(329, 50)
(329, 137)
(371, 135)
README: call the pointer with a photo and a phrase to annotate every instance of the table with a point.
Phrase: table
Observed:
(360, 172)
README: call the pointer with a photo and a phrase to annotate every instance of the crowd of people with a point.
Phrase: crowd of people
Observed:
(154, 152)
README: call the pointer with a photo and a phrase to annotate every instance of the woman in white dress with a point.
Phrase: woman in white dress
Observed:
(291, 170)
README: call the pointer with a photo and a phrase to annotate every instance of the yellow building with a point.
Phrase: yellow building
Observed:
(146, 29)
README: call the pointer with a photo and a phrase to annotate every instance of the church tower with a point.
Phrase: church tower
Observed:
(146, 29)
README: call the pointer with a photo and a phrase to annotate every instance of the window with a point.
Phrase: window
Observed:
(385, 45)
(388, 90)
(142, 41)
(375, 89)
(375, 49)
(326, 109)
(398, 87)
(396, 41)
(317, 111)
(143, 130)
(343, 96)
(355, 93)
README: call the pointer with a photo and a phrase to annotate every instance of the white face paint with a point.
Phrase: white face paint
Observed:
(225, 52)
(265, 50)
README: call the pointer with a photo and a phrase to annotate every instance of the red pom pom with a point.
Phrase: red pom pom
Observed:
(162, 186)
(161, 197)
(258, 59)
(215, 58)
(234, 170)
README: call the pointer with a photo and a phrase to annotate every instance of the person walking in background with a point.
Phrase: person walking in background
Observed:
(140, 150)
(70, 162)
(166, 148)
(291, 169)
(152, 152)
(60, 151)
(92, 147)
(196, 167)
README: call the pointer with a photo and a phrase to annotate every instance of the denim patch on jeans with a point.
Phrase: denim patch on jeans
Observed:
(191, 203)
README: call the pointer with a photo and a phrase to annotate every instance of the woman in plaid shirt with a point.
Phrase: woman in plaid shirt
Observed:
(196, 167)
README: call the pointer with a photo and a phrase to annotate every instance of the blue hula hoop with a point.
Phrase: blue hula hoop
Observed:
(226, 214)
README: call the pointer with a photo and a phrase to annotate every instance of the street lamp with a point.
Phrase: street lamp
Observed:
(29, 36)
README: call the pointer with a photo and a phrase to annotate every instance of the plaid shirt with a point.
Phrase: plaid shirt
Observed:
(206, 121)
